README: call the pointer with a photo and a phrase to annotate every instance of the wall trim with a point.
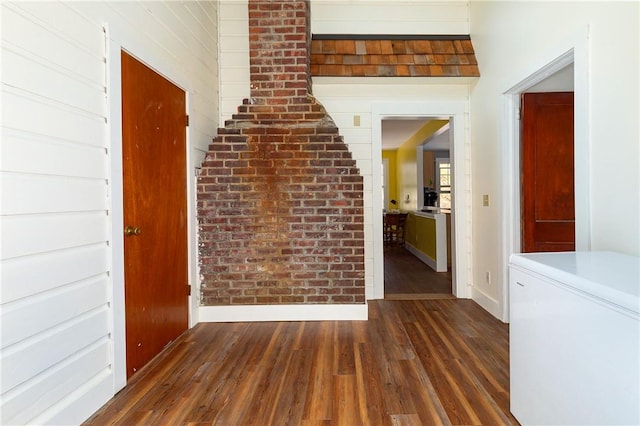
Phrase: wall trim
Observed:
(116, 207)
(256, 313)
(117, 39)
(391, 37)
(428, 260)
(490, 304)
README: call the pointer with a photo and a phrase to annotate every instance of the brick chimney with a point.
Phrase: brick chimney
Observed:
(280, 200)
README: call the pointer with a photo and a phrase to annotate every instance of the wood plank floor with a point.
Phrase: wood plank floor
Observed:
(423, 362)
(407, 277)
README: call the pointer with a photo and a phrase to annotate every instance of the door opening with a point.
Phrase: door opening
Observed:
(420, 267)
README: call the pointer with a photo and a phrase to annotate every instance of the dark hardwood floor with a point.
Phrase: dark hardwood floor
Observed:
(407, 277)
(422, 362)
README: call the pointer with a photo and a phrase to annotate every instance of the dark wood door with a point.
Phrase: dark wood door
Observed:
(547, 173)
(155, 211)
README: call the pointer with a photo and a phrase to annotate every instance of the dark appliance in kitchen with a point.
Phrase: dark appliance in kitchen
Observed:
(430, 197)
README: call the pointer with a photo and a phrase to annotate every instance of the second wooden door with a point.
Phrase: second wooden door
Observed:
(547, 173)
(155, 211)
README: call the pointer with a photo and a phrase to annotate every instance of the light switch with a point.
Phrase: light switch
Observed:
(485, 200)
(356, 120)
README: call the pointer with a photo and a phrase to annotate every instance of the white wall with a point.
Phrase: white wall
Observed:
(389, 17)
(233, 48)
(512, 41)
(62, 312)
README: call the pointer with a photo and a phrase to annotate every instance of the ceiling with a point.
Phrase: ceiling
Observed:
(397, 131)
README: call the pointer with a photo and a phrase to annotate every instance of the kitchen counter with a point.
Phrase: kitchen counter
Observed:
(427, 238)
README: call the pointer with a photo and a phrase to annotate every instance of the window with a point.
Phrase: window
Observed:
(443, 182)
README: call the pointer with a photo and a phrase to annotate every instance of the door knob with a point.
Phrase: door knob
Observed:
(132, 231)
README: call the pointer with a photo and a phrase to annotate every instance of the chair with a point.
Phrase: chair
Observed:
(393, 229)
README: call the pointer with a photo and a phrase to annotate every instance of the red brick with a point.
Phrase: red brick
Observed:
(266, 223)
(343, 299)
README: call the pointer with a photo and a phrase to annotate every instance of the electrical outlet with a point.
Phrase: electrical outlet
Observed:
(487, 277)
(356, 120)
(485, 200)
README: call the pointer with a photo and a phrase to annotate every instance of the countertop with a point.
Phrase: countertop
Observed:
(431, 214)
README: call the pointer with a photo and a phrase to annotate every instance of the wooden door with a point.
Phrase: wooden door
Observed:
(155, 211)
(547, 173)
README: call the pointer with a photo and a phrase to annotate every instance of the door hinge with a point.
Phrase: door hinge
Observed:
(186, 121)
(188, 290)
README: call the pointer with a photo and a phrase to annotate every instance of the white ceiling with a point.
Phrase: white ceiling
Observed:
(397, 131)
(439, 141)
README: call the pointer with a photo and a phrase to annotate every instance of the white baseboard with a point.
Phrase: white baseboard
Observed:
(426, 259)
(254, 313)
(489, 304)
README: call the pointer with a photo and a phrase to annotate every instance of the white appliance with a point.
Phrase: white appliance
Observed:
(575, 338)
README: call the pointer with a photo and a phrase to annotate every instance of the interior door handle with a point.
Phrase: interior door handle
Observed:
(131, 231)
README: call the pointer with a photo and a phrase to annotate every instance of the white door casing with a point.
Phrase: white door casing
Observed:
(577, 52)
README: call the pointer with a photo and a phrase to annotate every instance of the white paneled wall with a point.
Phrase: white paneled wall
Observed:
(233, 49)
(59, 308)
(55, 258)
(389, 17)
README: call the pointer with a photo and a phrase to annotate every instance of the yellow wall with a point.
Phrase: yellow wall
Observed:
(407, 165)
(393, 180)
(410, 230)
(421, 233)
(426, 234)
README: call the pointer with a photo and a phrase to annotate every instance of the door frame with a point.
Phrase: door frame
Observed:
(457, 112)
(576, 51)
(385, 180)
(116, 42)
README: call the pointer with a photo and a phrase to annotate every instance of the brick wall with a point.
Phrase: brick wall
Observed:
(280, 205)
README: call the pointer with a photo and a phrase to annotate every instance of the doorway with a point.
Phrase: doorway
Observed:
(419, 266)
(455, 111)
(155, 211)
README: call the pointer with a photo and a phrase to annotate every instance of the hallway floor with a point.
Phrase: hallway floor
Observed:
(406, 277)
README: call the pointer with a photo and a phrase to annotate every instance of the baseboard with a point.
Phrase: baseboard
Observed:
(488, 303)
(423, 257)
(255, 313)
